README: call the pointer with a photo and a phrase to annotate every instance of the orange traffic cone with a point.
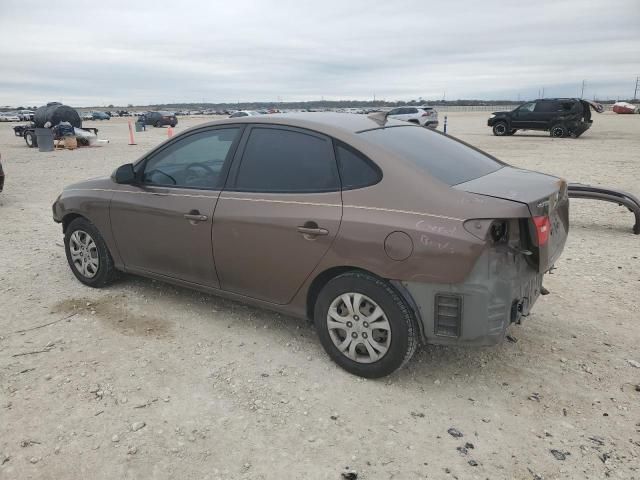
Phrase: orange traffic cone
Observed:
(131, 139)
(170, 131)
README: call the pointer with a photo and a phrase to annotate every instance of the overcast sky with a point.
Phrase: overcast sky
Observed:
(142, 52)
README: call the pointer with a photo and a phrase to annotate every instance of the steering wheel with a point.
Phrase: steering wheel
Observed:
(206, 168)
(150, 173)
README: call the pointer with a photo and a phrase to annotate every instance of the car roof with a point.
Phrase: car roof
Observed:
(329, 123)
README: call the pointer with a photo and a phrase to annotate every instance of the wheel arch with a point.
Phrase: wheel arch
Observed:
(70, 217)
(326, 276)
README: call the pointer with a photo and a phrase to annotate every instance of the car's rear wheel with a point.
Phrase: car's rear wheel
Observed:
(87, 254)
(364, 325)
(558, 131)
(500, 129)
(30, 139)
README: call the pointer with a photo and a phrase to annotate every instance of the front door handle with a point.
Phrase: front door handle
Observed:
(195, 216)
(312, 229)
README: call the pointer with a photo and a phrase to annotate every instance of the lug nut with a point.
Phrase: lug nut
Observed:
(349, 324)
(364, 335)
(354, 335)
(356, 318)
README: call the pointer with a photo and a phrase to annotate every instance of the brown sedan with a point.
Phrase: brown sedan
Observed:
(386, 234)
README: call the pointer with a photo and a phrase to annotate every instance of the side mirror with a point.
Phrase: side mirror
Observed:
(124, 174)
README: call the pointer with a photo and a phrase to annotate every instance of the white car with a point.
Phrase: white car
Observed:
(244, 113)
(424, 116)
(9, 117)
(25, 115)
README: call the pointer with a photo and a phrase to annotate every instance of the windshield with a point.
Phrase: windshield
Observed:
(445, 158)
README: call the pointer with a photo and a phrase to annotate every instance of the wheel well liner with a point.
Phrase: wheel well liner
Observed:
(68, 218)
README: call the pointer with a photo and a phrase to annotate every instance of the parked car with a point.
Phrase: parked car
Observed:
(87, 116)
(385, 237)
(1, 175)
(561, 117)
(244, 113)
(424, 116)
(100, 116)
(159, 119)
(9, 117)
(25, 115)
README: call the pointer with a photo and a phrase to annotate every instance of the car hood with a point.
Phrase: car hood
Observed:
(92, 183)
(499, 113)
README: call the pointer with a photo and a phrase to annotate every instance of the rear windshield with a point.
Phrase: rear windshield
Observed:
(444, 158)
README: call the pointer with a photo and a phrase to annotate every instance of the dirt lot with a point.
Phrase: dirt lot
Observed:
(145, 380)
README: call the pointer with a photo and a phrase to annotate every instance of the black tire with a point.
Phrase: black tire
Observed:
(500, 129)
(106, 272)
(158, 124)
(30, 139)
(558, 131)
(173, 125)
(403, 337)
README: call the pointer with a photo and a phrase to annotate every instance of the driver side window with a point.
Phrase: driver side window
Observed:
(194, 161)
(528, 107)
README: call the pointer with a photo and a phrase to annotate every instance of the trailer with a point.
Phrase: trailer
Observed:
(28, 132)
(48, 117)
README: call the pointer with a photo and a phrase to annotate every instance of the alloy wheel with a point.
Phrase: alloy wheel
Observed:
(84, 253)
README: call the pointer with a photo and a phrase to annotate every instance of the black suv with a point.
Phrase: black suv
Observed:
(159, 119)
(561, 117)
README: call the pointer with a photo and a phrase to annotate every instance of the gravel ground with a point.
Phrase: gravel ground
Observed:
(146, 380)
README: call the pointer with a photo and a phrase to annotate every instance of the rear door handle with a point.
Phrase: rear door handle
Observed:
(195, 216)
(313, 231)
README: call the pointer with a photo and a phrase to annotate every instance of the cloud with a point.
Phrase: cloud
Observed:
(166, 51)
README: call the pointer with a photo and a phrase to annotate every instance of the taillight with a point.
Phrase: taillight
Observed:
(543, 229)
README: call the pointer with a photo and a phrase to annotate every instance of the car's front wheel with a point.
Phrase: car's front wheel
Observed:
(158, 124)
(87, 254)
(501, 129)
(364, 325)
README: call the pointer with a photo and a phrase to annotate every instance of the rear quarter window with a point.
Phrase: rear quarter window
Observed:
(447, 159)
(356, 171)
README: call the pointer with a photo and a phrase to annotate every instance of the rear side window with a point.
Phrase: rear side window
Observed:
(545, 107)
(444, 158)
(356, 171)
(286, 161)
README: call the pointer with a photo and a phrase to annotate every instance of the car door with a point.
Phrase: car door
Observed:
(544, 113)
(523, 116)
(162, 224)
(278, 214)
